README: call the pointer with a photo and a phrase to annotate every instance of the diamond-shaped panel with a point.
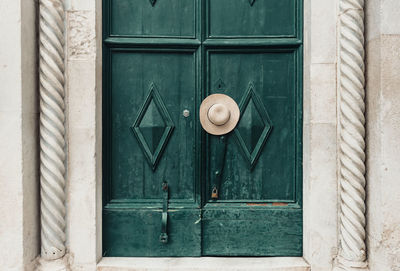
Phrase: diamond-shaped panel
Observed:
(254, 126)
(153, 127)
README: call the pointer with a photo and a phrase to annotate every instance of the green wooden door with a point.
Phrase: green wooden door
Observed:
(161, 59)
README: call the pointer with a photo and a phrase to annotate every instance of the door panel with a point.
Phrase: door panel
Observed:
(136, 232)
(151, 141)
(252, 231)
(257, 212)
(160, 59)
(251, 18)
(150, 90)
(260, 162)
(138, 18)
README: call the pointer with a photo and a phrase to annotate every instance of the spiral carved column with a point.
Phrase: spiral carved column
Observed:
(352, 253)
(52, 130)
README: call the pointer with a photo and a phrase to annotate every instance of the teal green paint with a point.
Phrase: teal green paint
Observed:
(153, 127)
(254, 127)
(236, 18)
(163, 57)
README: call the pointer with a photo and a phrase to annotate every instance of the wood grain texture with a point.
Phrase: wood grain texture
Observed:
(252, 231)
(189, 49)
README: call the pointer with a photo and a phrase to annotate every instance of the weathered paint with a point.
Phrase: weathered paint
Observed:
(163, 59)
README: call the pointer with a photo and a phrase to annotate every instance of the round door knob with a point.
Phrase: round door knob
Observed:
(219, 114)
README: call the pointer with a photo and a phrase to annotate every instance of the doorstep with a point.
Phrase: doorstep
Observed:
(204, 264)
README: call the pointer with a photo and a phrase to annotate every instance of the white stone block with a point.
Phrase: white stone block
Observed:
(19, 234)
(204, 264)
(323, 93)
(320, 195)
(323, 31)
(390, 17)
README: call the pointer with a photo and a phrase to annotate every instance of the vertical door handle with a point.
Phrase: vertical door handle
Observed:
(219, 115)
(164, 215)
(219, 166)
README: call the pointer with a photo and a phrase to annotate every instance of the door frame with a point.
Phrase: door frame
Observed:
(84, 135)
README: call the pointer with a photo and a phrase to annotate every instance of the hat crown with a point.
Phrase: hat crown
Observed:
(219, 114)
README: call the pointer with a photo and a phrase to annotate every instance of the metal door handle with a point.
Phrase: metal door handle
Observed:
(220, 162)
(164, 216)
(219, 115)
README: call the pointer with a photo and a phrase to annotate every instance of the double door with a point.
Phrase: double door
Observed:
(161, 59)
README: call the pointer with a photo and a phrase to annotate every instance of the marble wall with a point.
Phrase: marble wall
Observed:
(383, 134)
(19, 142)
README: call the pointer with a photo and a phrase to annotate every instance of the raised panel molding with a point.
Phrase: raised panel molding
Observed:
(141, 18)
(153, 127)
(254, 116)
(268, 19)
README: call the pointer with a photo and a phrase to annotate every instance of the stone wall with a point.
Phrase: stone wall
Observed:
(19, 151)
(383, 134)
(83, 113)
(19, 144)
(320, 189)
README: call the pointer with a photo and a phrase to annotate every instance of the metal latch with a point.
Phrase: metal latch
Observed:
(220, 161)
(164, 216)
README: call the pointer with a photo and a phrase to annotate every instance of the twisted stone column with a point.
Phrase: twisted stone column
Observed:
(52, 130)
(352, 252)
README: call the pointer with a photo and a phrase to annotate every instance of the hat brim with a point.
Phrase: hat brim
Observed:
(233, 108)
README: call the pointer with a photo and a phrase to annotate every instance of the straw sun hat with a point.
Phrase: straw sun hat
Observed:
(219, 114)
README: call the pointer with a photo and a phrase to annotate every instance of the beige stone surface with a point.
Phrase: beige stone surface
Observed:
(323, 93)
(372, 19)
(19, 223)
(383, 201)
(203, 264)
(320, 195)
(81, 34)
(84, 134)
(390, 14)
(320, 135)
(323, 30)
(382, 18)
(373, 150)
(30, 132)
(383, 133)
(82, 162)
(83, 5)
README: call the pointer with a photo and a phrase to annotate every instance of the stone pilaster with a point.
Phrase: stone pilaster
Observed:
(52, 132)
(352, 250)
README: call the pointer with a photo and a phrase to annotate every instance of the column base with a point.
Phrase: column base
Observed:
(53, 265)
(346, 265)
